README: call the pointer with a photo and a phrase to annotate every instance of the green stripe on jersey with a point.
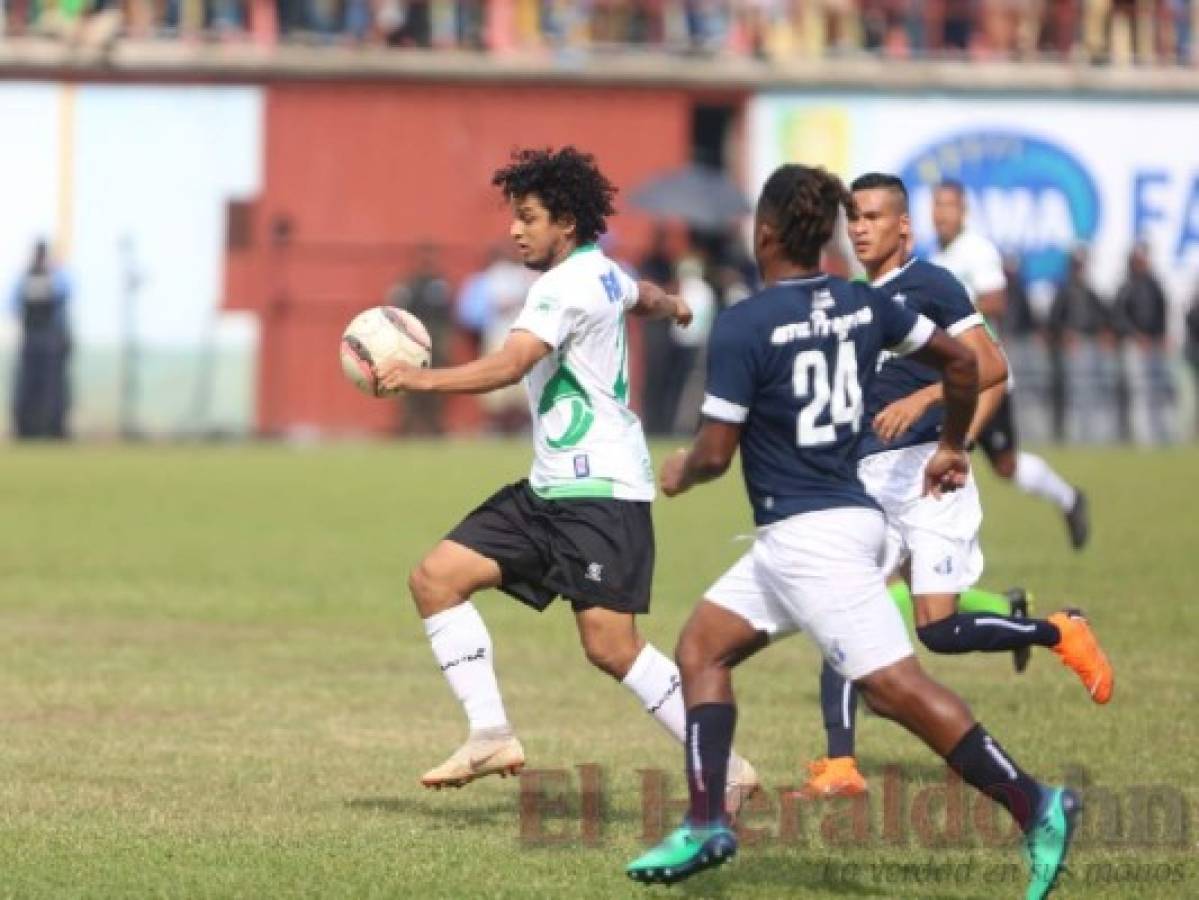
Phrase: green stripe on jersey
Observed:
(584, 487)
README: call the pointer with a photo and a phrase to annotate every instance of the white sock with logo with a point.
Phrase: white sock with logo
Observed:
(654, 678)
(462, 646)
(1034, 476)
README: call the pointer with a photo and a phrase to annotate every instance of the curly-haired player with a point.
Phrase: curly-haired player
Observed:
(579, 526)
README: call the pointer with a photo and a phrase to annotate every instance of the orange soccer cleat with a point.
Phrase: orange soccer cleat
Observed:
(835, 777)
(1079, 649)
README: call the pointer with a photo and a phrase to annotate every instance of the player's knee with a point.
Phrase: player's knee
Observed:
(941, 637)
(615, 657)
(693, 656)
(427, 588)
(887, 692)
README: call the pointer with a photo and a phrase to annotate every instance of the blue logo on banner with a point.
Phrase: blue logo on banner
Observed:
(1029, 196)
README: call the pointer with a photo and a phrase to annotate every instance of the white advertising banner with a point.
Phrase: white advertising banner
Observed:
(1041, 174)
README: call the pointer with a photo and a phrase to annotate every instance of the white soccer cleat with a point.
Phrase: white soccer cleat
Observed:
(477, 758)
(741, 784)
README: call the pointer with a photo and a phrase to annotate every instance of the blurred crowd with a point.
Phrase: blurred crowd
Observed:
(1088, 368)
(1093, 368)
(1099, 31)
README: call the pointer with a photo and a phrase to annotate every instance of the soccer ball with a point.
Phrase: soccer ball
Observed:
(379, 334)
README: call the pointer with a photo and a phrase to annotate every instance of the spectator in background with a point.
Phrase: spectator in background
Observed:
(426, 294)
(488, 304)
(682, 390)
(1191, 348)
(41, 392)
(1018, 320)
(1141, 315)
(1077, 322)
(657, 267)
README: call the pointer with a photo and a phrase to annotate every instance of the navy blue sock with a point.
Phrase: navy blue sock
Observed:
(839, 706)
(709, 742)
(986, 633)
(984, 765)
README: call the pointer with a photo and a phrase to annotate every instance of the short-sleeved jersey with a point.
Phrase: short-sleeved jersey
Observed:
(792, 363)
(935, 294)
(974, 261)
(586, 440)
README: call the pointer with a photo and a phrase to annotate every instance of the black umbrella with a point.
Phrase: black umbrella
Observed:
(701, 196)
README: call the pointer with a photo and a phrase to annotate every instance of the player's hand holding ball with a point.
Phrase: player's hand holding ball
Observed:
(384, 351)
(946, 471)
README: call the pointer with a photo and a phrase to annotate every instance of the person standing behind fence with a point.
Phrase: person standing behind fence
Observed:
(1141, 314)
(41, 395)
(426, 294)
(1084, 381)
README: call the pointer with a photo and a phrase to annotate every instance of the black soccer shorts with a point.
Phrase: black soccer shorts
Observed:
(593, 552)
(999, 435)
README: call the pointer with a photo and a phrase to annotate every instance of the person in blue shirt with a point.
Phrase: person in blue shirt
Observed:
(788, 370)
(932, 545)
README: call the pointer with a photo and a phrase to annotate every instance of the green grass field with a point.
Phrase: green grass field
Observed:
(214, 685)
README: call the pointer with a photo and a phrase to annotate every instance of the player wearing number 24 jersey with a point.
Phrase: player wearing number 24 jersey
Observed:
(787, 372)
(792, 364)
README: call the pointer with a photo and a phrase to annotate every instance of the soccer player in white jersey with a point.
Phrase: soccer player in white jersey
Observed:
(976, 263)
(579, 526)
(787, 372)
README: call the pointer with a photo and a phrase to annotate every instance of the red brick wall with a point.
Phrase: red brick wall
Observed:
(365, 172)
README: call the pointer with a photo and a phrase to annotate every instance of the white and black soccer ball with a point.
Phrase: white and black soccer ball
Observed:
(377, 335)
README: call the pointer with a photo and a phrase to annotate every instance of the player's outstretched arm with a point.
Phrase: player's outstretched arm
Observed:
(709, 457)
(896, 418)
(949, 466)
(655, 303)
(508, 365)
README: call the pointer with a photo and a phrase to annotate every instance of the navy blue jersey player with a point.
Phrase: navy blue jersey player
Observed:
(788, 369)
(934, 543)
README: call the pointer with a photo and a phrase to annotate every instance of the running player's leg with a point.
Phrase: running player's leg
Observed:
(731, 624)
(941, 567)
(903, 692)
(823, 571)
(1032, 474)
(499, 544)
(441, 587)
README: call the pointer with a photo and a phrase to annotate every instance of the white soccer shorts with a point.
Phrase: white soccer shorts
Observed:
(819, 572)
(939, 536)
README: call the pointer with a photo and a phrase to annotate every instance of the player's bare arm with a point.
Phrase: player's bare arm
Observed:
(655, 303)
(992, 304)
(949, 466)
(709, 457)
(896, 418)
(508, 365)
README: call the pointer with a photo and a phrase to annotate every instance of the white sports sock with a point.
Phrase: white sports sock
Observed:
(462, 646)
(1034, 476)
(654, 678)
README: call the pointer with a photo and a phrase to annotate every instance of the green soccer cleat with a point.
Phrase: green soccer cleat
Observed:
(1047, 842)
(687, 850)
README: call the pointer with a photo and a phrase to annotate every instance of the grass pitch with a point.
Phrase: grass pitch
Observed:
(214, 685)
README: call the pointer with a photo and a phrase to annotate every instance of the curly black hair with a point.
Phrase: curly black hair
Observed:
(803, 202)
(567, 181)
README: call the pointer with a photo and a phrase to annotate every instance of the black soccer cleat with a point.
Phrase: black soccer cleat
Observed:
(1078, 520)
(1018, 600)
